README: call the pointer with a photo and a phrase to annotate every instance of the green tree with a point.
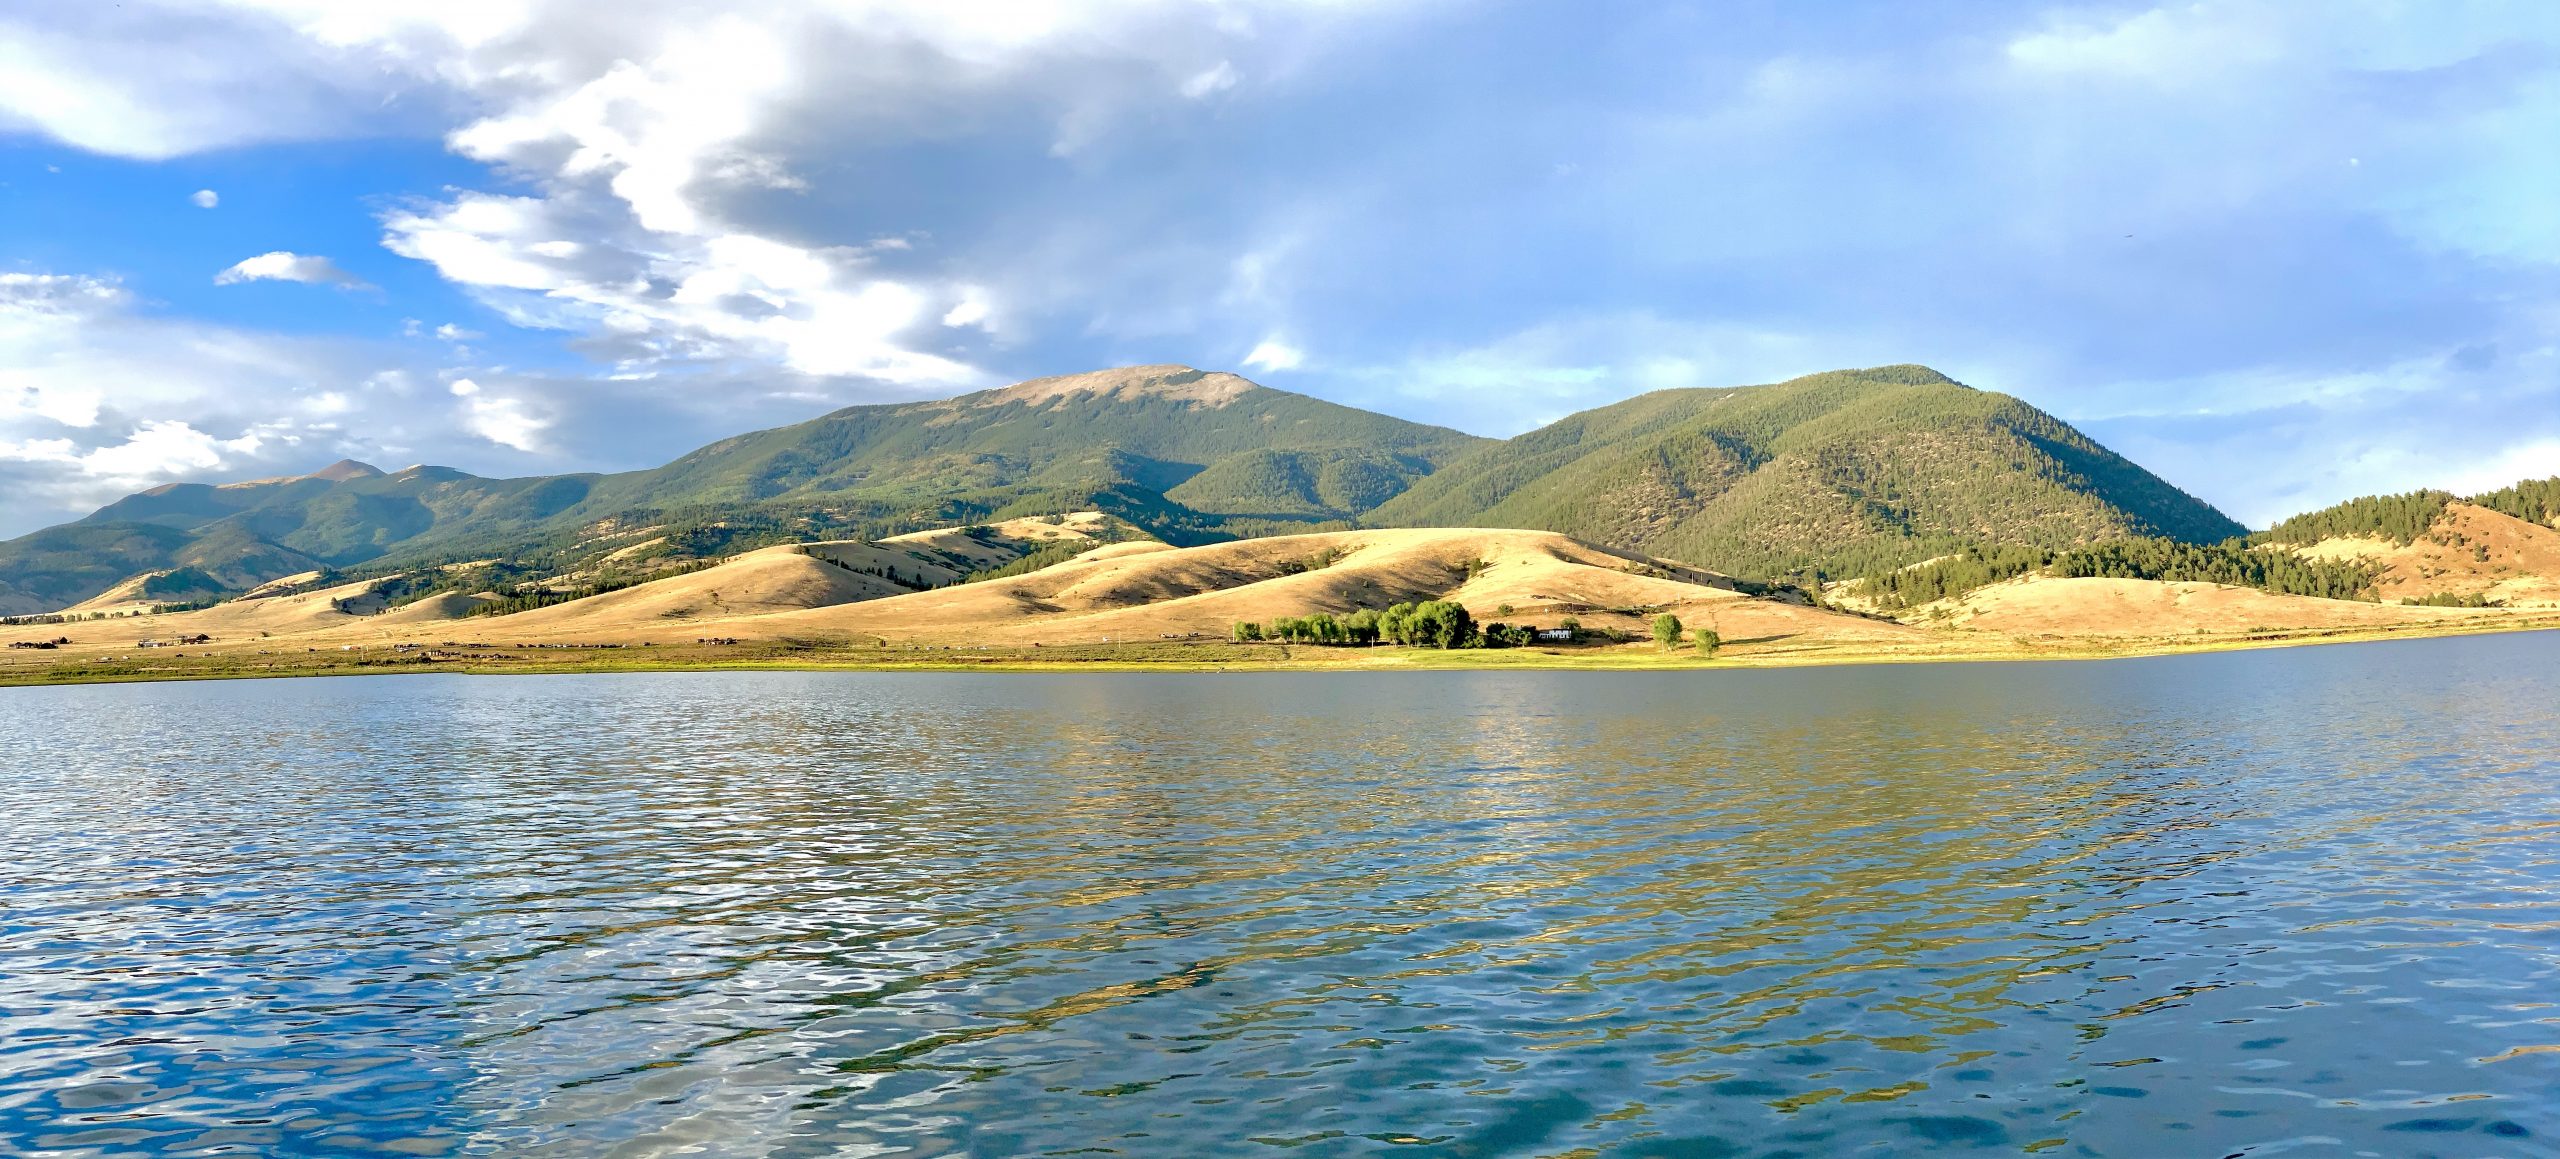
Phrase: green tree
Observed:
(1442, 624)
(1666, 630)
(1395, 625)
(1708, 641)
(1246, 631)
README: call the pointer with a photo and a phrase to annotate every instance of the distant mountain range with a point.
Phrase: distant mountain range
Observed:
(1831, 473)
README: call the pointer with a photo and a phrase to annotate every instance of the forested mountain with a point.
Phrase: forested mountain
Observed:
(1840, 474)
(1115, 440)
(1835, 473)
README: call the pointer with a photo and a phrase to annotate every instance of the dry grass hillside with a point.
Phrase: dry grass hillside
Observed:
(790, 599)
(1132, 591)
(2470, 551)
(2037, 605)
(774, 579)
(1011, 537)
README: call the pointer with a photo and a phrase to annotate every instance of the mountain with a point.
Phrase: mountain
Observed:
(1117, 440)
(1838, 472)
(1140, 432)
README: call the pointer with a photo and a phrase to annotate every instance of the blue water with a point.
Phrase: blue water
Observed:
(2301, 902)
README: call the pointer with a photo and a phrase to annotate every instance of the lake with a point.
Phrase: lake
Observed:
(2300, 902)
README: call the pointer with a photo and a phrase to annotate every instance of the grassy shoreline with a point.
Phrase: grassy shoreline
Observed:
(808, 656)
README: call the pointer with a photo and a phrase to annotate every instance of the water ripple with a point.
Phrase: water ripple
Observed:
(2295, 902)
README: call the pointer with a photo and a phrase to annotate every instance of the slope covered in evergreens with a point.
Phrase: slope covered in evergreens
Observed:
(2534, 501)
(1832, 473)
(2398, 518)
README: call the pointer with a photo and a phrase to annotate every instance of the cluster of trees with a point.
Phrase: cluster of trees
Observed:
(526, 601)
(889, 572)
(2534, 501)
(2398, 518)
(2233, 562)
(1950, 575)
(1441, 624)
(2220, 563)
(1046, 555)
(2450, 600)
(1668, 631)
(1431, 624)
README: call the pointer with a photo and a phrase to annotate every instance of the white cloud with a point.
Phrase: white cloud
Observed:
(1273, 354)
(287, 266)
(98, 399)
(205, 199)
(2538, 459)
(451, 332)
(2162, 45)
(508, 422)
(1211, 81)
(166, 449)
(638, 131)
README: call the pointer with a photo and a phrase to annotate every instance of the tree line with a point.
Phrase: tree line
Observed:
(1440, 624)
(2534, 501)
(2232, 562)
(1429, 624)
(2398, 518)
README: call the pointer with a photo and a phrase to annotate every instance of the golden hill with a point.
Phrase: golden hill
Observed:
(996, 544)
(789, 599)
(1144, 591)
(2471, 551)
(2039, 605)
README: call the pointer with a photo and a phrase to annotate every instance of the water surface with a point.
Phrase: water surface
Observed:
(2298, 902)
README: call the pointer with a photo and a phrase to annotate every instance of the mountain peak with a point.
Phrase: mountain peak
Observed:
(345, 469)
(1205, 387)
(1906, 374)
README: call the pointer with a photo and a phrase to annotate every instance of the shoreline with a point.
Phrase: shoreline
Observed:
(1227, 657)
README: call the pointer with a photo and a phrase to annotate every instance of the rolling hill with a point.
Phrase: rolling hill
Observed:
(1832, 472)
(2502, 547)
(1117, 440)
(1130, 590)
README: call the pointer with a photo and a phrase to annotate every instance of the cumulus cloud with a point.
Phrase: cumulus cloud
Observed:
(102, 394)
(508, 422)
(2137, 217)
(286, 266)
(654, 140)
(98, 398)
(205, 199)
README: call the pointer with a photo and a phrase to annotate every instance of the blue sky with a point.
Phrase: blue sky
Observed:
(2282, 253)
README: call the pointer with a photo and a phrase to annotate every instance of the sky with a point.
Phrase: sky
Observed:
(2282, 253)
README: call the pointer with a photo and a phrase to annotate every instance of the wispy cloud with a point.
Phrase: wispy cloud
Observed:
(285, 266)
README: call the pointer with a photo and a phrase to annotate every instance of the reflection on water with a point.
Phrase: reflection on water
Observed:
(2295, 902)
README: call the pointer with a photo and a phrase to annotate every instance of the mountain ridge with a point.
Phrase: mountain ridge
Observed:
(1821, 471)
